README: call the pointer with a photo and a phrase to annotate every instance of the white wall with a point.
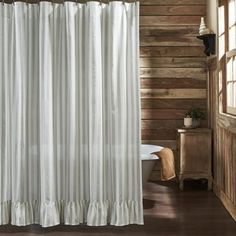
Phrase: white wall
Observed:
(211, 18)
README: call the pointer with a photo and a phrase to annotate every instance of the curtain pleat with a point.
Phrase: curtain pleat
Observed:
(70, 114)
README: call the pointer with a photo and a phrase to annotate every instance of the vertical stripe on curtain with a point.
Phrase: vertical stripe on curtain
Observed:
(70, 114)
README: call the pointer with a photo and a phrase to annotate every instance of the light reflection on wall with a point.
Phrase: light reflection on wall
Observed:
(220, 94)
(221, 30)
(232, 26)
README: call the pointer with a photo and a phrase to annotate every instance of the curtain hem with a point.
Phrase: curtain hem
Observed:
(53, 213)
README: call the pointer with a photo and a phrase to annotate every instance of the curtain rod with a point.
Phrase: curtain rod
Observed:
(62, 1)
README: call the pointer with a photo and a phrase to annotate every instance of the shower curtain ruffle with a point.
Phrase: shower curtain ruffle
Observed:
(70, 114)
(51, 213)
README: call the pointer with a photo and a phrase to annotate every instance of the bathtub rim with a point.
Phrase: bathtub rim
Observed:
(150, 155)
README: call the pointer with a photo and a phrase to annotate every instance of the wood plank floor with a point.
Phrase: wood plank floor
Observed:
(167, 212)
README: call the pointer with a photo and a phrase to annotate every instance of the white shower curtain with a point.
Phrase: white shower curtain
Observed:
(70, 114)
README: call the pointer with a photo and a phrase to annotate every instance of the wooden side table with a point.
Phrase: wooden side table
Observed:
(195, 155)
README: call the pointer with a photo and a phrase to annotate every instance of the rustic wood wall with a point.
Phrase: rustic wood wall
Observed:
(224, 130)
(173, 67)
(224, 151)
(226, 174)
(225, 162)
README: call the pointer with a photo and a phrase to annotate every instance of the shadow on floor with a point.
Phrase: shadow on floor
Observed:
(167, 212)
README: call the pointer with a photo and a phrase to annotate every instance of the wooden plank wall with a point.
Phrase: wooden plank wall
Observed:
(226, 174)
(224, 151)
(173, 67)
(224, 133)
(225, 163)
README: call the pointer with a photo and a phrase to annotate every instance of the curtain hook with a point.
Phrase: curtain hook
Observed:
(123, 1)
(2, 2)
(100, 2)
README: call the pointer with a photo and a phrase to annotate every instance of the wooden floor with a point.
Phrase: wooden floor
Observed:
(167, 212)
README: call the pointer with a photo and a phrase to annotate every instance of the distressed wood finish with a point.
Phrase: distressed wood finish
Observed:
(172, 10)
(173, 62)
(165, 134)
(172, 83)
(194, 155)
(224, 126)
(169, 20)
(226, 169)
(173, 93)
(197, 73)
(172, 2)
(169, 41)
(187, 51)
(225, 175)
(163, 30)
(152, 124)
(173, 67)
(152, 128)
(162, 114)
(172, 103)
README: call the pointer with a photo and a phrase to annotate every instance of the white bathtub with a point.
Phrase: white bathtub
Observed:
(148, 159)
